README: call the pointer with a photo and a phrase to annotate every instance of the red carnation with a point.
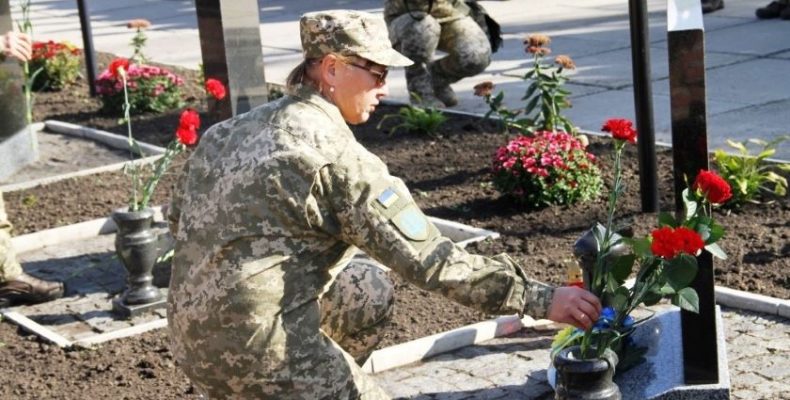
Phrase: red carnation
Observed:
(215, 88)
(714, 187)
(668, 242)
(621, 129)
(188, 125)
(663, 244)
(187, 136)
(116, 64)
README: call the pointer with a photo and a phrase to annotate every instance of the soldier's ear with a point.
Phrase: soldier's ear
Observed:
(329, 68)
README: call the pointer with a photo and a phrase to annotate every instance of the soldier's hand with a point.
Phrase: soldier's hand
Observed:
(574, 306)
(17, 45)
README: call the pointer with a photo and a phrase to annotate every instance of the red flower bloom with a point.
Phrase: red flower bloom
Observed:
(689, 240)
(186, 136)
(621, 129)
(188, 125)
(116, 64)
(714, 187)
(668, 242)
(215, 88)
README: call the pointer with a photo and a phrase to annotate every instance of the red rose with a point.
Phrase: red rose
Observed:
(621, 129)
(116, 64)
(215, 88)
(689, 240)
(712, 186)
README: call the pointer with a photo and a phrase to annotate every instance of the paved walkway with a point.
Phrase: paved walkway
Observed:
(758, 350)
(747, 59)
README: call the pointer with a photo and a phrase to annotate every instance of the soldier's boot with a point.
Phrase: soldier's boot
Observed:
(26, 289)
(444, 92)
(420, 87)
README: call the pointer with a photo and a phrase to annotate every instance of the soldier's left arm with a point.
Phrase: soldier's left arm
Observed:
(375, 212)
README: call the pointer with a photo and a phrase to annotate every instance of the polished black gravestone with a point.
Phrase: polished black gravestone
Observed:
(18, 143)
(686, 42)
(230, 42)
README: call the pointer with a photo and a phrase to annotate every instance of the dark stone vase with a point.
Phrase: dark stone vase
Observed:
(136, 247)
(585, 379)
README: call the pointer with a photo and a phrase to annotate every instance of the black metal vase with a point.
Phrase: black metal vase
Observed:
(582, 379)
(136, 247)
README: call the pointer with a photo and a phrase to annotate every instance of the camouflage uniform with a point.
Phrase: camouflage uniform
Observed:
(417, 31)
(273, 205)
(9, 267)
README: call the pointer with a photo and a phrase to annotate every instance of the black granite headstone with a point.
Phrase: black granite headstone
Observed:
(230, 41)
(686, 42)
(18, 143)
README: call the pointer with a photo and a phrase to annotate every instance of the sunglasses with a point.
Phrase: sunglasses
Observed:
(380, 76)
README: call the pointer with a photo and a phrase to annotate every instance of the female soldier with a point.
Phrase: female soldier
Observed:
(274, 205)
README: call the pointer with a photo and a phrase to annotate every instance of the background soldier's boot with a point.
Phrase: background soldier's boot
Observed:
(445, 93)
(26, 289)
(441, 85)
(418, 83)
(772, 10)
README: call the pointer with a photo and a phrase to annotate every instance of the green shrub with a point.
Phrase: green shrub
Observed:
(58, 63)
(417, 119)
(751, 176)
(150, 89)
(546, 169)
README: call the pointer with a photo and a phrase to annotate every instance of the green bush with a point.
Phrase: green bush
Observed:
(150, 89)
(58, 64)
(546, 169)
(425, 121)
(750, 176)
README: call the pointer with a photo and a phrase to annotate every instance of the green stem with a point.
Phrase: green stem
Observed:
(133, 167)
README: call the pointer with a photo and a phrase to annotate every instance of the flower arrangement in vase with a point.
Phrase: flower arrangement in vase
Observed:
(665, 262)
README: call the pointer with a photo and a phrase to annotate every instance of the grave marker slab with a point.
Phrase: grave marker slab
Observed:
(686, 45)
(18, 143)
(230, 42)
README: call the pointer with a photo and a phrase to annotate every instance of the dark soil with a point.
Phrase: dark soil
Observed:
(450, 179)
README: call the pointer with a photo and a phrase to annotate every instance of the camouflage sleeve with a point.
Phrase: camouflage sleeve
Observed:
(376, 213)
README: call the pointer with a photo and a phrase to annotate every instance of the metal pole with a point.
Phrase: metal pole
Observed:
(87, 44)
(643, 104)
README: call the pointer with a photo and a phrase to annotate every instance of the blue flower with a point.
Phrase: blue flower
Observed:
(606, 318)
(628, 321)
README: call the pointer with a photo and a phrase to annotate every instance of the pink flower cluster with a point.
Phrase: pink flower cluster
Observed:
(108, 84)
(540, 154)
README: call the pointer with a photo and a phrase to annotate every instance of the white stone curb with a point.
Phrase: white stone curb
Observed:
(36, 328)
(122, 333)
(752, 302)
(69, 233)
(107, 168)
(110, 139)
(429, 346)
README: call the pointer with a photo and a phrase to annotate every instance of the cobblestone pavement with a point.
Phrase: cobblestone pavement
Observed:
(758, 349)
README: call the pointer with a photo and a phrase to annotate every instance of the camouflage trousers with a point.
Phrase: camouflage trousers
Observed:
(419, 36)
(9, 267)
(357, 302)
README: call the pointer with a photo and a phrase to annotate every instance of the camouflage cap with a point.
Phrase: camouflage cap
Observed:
(349, 32)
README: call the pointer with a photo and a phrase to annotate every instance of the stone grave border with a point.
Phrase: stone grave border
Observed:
(107, 138)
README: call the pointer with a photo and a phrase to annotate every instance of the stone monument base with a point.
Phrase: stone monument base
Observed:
(660, 377)
(18, 150)
(130, 311)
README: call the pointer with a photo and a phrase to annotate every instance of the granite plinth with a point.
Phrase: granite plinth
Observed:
(660, 377)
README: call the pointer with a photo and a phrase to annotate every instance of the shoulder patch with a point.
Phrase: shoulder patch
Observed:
(387, 198)
(411, 223)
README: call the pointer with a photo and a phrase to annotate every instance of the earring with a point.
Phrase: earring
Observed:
(331, 89)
